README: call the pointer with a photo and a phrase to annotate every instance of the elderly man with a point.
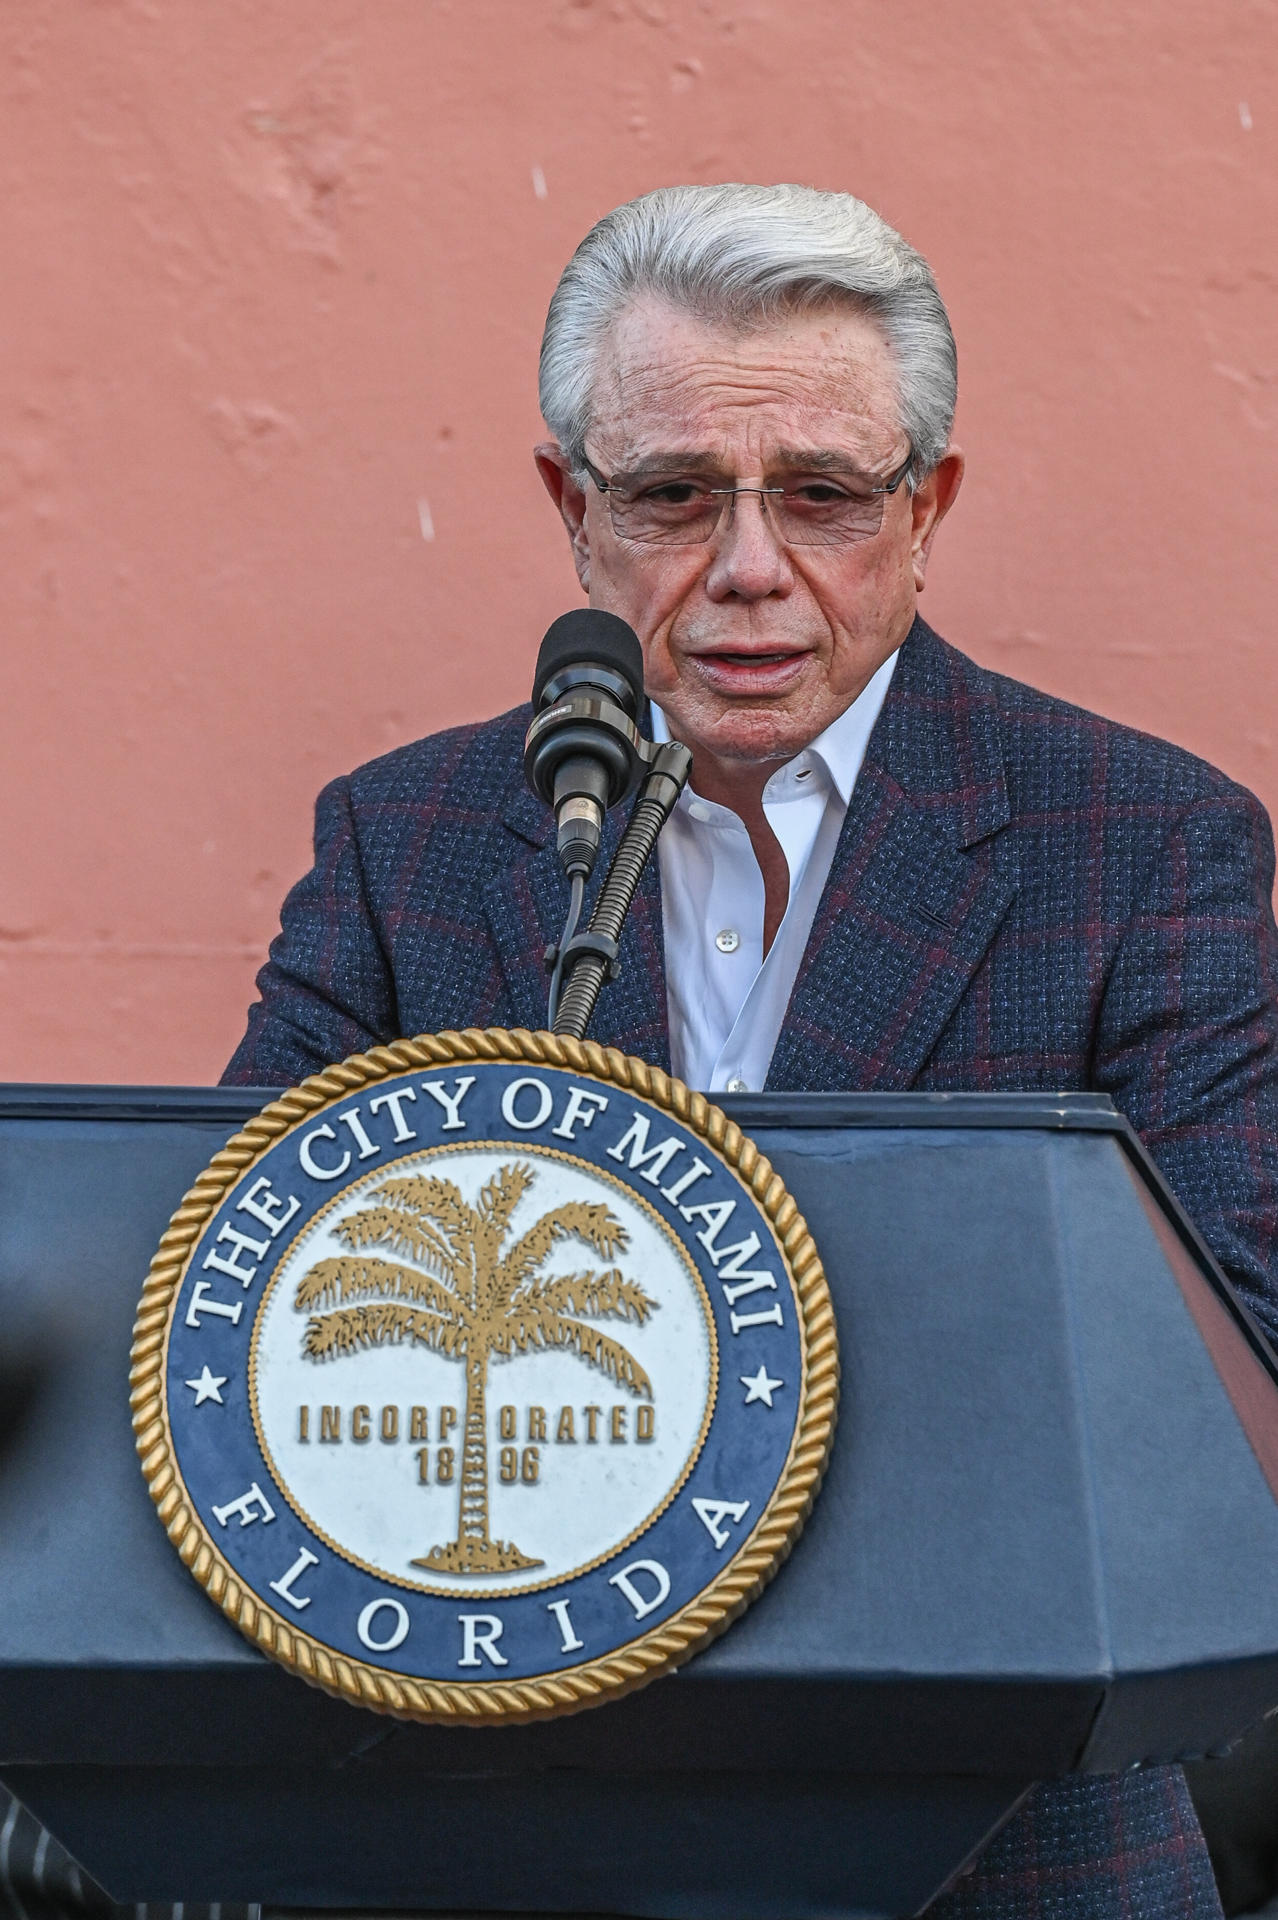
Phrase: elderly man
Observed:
(891, 868)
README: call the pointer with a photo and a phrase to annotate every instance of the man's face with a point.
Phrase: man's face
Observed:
(752, 647)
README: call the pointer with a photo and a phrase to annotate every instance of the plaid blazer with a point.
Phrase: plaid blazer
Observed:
(1023, 895)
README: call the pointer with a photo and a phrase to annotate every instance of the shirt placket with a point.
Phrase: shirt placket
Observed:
(732, 934)
(793, 804)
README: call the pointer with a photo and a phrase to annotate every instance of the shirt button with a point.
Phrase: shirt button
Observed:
(698, 810)
(737, 1084)
(727, 940)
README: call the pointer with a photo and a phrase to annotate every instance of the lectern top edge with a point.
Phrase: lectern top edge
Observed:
(1088, 1112)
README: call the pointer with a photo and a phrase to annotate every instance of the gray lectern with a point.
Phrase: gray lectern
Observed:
(1048, 1541)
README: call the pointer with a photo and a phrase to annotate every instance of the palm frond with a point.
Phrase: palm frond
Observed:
(613, 1360)
(597, 1296)
(331, 1283)
(401, 1232)
(438, 1199)
(331, 1335)
(526, 1325)
(586, 1220)
(504, 1192)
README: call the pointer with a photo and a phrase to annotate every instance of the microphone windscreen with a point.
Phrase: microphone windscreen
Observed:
(590, 637)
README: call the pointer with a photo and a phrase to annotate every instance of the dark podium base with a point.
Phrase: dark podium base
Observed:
(711, 1846)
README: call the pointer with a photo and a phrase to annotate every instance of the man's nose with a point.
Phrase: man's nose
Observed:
(749, 561)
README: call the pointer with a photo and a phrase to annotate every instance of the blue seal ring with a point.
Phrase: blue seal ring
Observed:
(387, 1166)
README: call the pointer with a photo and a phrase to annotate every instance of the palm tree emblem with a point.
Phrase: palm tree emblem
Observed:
(451, 1289)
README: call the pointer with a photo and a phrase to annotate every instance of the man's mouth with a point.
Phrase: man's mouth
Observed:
(730, 671)
(752, 659)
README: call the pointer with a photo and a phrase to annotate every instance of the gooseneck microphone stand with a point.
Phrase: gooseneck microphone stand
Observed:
(584, 961)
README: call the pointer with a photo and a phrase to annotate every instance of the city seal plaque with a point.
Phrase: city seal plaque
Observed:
(485, 1376)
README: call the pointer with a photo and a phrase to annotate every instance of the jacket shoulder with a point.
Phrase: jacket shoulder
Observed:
(429, 818)
(468, 763)
(1056, 750)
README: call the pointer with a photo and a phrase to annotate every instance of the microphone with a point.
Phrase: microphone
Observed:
(582, 752)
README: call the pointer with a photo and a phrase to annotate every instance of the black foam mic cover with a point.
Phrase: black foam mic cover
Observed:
(588, 637)
(582, 752)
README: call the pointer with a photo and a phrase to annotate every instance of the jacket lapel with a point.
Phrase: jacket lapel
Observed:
(526, 902)
(919, 883)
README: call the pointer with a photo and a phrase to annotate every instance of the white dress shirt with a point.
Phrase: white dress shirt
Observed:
(725, 1000)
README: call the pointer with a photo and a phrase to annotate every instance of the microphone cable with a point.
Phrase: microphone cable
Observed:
(576, 900)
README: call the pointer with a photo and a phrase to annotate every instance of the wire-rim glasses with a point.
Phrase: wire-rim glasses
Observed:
(683, 511)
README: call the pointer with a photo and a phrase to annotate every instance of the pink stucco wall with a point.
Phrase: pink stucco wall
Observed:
(273, 282)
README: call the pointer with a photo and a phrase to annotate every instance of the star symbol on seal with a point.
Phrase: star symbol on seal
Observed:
(209, 1385)
(758, 1386)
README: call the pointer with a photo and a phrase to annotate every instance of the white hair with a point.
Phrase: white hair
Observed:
(743, 255)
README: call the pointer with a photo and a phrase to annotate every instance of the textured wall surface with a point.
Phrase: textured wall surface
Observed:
(274, 278)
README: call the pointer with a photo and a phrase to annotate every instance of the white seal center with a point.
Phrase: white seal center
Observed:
(483, 1369)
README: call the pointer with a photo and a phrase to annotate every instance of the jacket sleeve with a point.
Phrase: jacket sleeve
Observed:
(326, 991)
(1187, 1040)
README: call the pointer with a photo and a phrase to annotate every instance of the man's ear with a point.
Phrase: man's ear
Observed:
(556, 477)
(932, 500)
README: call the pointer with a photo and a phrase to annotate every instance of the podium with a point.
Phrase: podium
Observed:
(1047, 1541)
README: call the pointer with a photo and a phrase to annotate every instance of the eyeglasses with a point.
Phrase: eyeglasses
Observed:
(816, 512)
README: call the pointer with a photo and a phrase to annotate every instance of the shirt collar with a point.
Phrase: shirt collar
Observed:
(841, 748)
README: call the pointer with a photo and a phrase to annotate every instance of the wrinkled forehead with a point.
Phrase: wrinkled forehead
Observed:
(667, 379)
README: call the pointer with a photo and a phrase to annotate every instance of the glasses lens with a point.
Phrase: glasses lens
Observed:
(825, 516)
(678, 514)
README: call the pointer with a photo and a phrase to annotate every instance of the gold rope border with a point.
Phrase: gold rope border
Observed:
(656, 1652)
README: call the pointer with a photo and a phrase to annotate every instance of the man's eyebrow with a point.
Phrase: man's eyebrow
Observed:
(820, 460)
(649, 465)
(793, 459)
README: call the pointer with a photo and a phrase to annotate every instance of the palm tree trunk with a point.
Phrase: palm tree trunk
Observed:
(472, 1519)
